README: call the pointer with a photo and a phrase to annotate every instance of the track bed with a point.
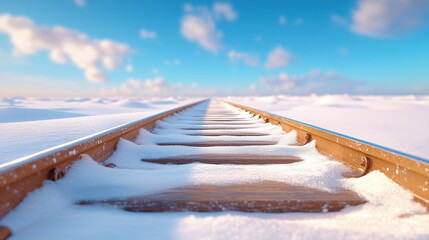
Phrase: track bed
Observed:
(214, 171)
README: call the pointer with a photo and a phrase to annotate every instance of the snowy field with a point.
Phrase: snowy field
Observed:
(397, 122)
(51, 211)
(30, 125)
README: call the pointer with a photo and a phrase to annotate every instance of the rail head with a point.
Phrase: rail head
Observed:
(23, 175)
(411, 172)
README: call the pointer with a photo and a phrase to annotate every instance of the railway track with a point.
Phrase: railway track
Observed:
(211, 156)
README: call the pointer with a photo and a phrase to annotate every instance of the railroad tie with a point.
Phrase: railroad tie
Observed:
(243, 159)
(265, 196)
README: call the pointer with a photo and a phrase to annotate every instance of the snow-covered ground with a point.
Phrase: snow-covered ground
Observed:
(28, 125)
(397, 122)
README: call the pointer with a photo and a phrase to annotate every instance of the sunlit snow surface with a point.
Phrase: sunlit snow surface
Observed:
(397, 122)
(50, 212)
(31, 125)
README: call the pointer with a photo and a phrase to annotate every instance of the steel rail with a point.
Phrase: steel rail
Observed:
(409, 171)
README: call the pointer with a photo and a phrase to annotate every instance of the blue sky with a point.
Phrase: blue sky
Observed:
(209, 48)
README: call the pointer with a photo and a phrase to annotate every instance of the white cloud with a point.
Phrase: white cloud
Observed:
(383, 18)
(80, 3)
(147, 34)
(158, 85)
(64, 45)
(198, 25)
(282, 20)
(129, 68)
(338, 20)
(233, 55)
(315, 81)
(278, 58)
(155, 71)
(135, 83)
(130, 86)
(281, 82)
(176, 61)
(320, 75)
(224, 10)
(151, 86)
(252, 87)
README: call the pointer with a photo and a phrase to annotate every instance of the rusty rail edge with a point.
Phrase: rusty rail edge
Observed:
(409, 171)
(23, 175)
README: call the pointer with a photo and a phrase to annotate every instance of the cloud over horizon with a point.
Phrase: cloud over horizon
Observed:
(315, 81)
(150, 86)
(156, 86)
(386, 18)
(277, 58)
(65, 45)
(249, 60)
